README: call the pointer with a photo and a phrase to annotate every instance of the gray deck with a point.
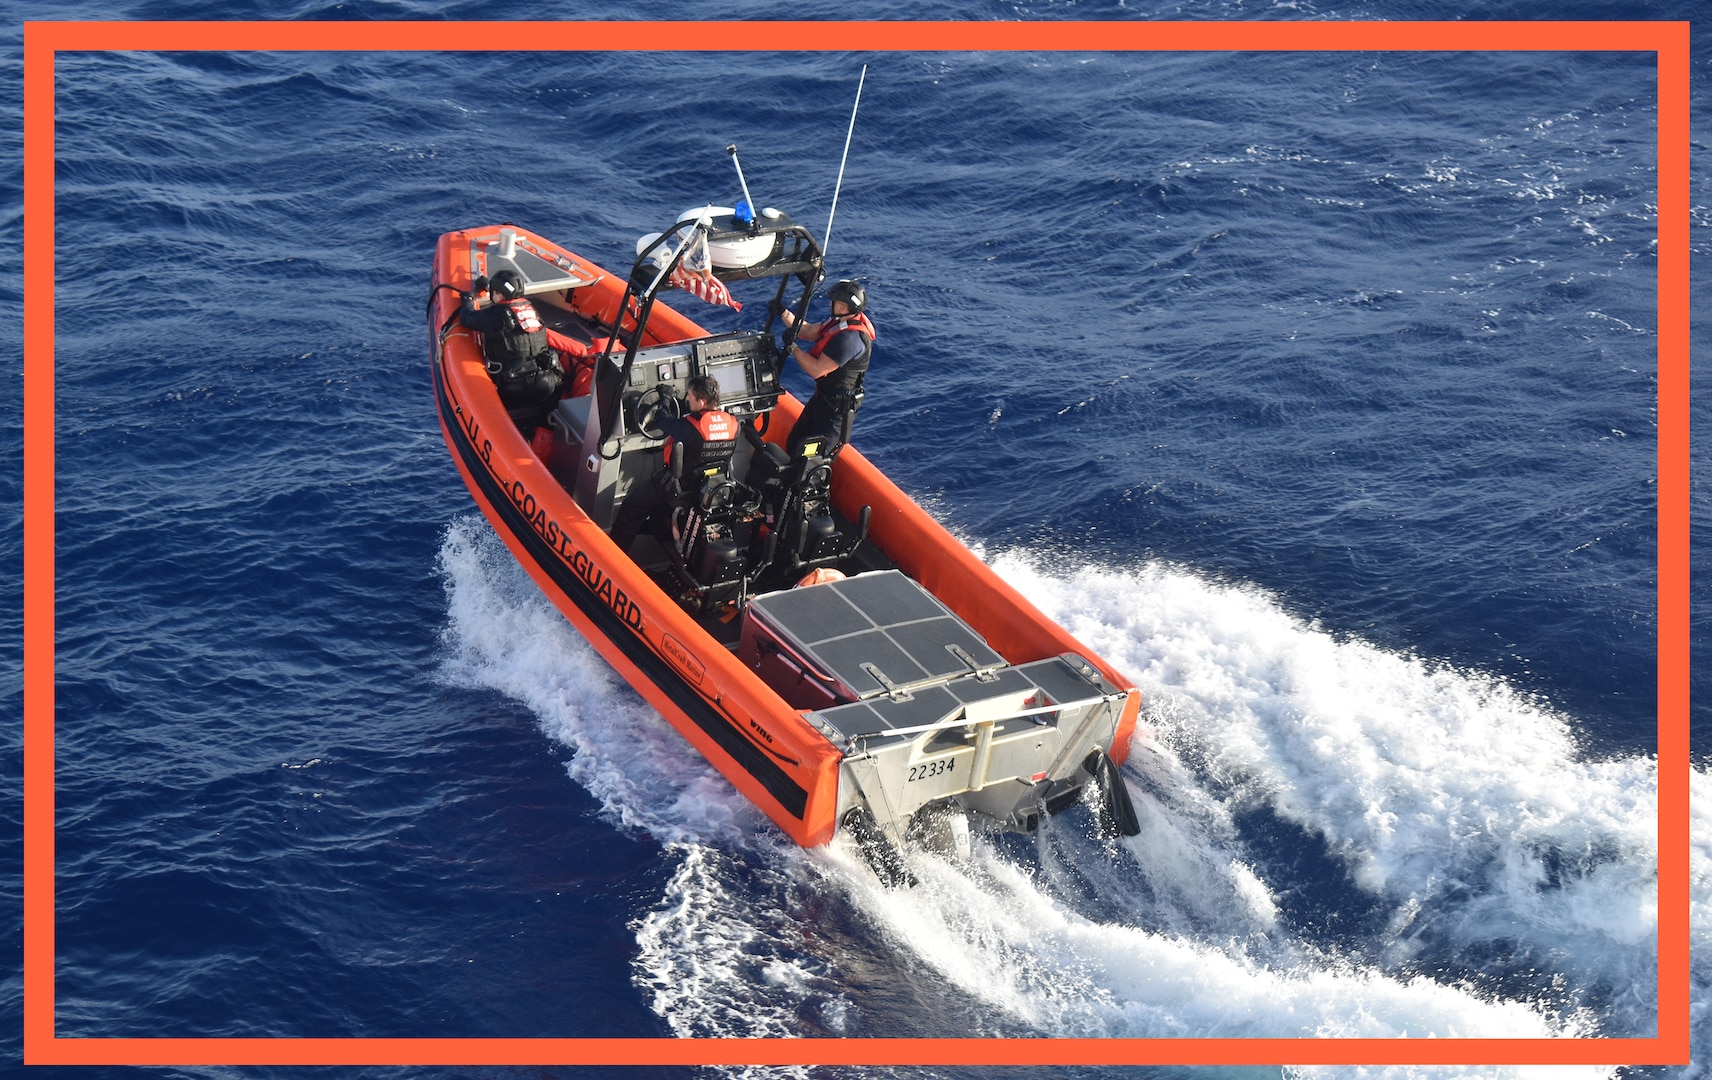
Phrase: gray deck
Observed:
(875, 633)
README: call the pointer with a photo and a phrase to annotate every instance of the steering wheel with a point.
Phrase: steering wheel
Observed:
(648, 407)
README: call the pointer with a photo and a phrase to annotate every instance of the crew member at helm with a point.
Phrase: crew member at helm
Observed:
(837, 360)
(698, 446)
(523, 355)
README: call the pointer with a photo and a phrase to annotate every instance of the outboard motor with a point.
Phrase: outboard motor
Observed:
(1114, 812)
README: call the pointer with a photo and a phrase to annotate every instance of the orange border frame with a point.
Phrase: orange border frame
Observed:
(1669, 40)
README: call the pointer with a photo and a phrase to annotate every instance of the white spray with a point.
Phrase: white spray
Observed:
(1461, 807)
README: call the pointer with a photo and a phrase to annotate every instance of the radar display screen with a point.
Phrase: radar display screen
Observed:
(745, 367)
(733, 380)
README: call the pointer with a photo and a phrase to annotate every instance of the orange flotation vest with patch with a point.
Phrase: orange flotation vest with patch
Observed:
(708, 451)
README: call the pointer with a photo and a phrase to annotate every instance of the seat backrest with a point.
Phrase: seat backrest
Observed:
(699, 462)
(705, 538)
(695, 461)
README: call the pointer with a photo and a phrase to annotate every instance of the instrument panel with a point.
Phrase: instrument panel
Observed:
(744, 365)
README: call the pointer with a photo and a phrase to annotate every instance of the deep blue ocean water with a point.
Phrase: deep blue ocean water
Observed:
(1315, 391)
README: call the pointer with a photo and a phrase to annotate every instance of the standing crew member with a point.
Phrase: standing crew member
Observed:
(836, 359)
(698, 445)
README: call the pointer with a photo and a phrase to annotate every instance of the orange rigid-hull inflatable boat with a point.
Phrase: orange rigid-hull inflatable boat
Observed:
(843, 660)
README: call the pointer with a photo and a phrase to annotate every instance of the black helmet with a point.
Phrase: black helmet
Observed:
(506, 285)
(855, 297)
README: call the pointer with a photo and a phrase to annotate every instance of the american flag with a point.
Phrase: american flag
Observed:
(705, 286)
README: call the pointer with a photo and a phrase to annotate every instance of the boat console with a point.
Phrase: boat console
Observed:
(717, 547)
(768, 517)
(744, 365)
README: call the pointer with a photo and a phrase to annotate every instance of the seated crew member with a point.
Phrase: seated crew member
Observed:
(701, 439)
(836, 359)
(523, 355)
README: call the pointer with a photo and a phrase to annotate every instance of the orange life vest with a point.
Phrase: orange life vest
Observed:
(839, 387)
(708, 454)
(839, 324)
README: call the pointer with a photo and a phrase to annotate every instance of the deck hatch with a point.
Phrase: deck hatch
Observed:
(880, 620)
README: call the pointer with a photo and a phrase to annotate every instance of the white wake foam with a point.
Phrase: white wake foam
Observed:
(1461, 803)
(1462, 808)
(503, 635)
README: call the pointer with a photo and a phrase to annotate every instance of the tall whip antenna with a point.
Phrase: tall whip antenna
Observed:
(826, 242)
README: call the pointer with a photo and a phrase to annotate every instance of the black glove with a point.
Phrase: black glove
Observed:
(479, 284)
(774, 309)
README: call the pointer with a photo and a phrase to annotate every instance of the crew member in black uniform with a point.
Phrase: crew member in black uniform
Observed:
(837, 360)
(522, 354)
(698, 445)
